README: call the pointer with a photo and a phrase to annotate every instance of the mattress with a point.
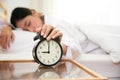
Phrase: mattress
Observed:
(100, 63)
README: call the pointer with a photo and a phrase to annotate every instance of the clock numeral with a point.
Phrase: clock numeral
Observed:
(53, 59)
(52, 44)
(38, 52)
(40, 47)
(39, 57)
(48, 61)
(44, 44)
(56, 47)
(43, 59)
(56, 56)
(57, 51)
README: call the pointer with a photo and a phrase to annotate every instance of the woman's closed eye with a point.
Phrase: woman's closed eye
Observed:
(27, 23)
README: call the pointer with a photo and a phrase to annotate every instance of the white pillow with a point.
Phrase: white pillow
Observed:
(23, 42)
(108, 37)
(21, 48)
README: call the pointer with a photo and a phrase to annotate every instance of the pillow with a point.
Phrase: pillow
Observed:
(23, 42)
(108, 37)
(21, 48)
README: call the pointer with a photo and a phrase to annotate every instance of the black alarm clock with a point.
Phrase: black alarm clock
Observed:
(47, 53)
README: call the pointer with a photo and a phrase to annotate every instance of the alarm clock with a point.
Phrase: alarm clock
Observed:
(47, 53)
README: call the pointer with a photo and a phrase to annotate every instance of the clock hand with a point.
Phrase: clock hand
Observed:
(45, 52)
(48, 47)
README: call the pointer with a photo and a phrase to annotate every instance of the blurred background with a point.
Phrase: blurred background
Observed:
(105, 12)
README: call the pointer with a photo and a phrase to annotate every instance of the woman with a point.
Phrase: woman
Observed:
(32, 21)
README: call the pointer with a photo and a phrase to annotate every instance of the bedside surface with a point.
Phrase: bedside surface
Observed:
(33, 71)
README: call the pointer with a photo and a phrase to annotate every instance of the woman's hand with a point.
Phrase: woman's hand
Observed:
(50, 32)
(54, 32)
(6, 36)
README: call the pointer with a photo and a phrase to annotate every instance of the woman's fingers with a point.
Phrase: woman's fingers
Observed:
(6, 36)
(13, 37)
(55, 33)
(8, 39)
(4, 41)
(49, 32)
(46, 29)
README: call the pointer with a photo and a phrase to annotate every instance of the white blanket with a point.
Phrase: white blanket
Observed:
(107, 37)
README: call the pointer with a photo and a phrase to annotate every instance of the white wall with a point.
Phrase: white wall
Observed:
(46, 6)
(11, 4)
(82, 11)
(88, 11)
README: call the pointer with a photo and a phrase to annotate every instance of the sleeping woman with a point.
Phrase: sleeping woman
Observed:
(32, 21)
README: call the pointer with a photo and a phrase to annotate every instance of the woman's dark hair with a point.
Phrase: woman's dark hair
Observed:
(18, 14)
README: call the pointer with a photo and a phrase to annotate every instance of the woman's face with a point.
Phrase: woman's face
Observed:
(30, 23)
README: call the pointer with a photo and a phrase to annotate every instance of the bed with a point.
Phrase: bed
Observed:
(92, 52)
(91, 56)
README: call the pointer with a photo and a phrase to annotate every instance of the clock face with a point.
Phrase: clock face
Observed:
(48, 52)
